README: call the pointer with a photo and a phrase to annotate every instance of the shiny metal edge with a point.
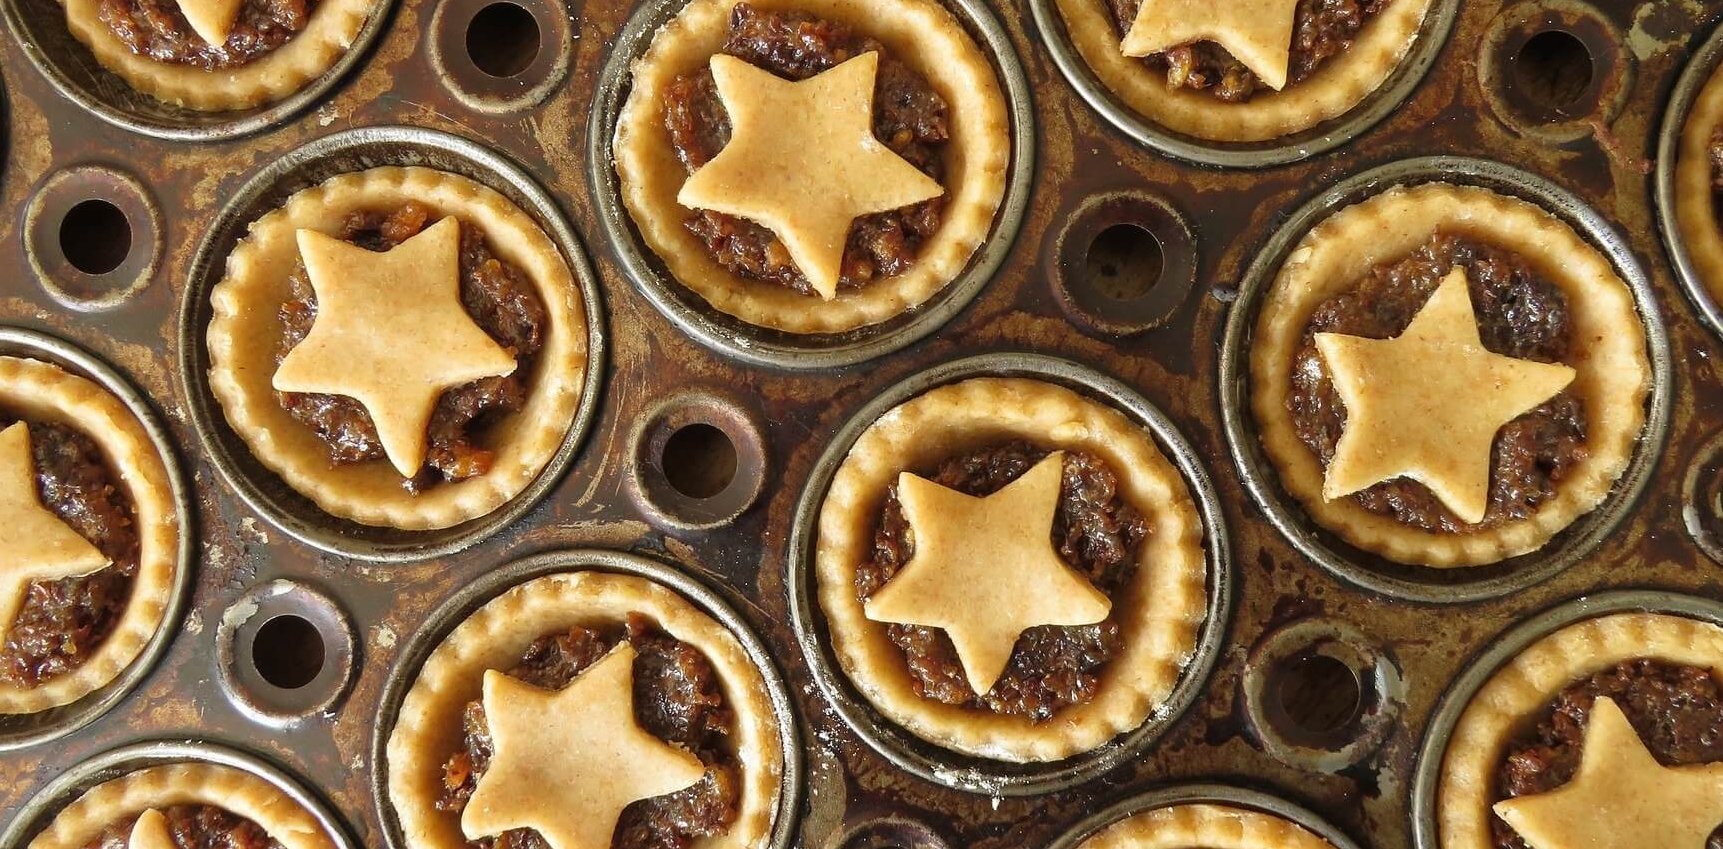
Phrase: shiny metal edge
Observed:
(1198, 794)
(1704, 62)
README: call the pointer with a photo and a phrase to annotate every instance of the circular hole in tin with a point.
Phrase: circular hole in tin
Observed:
(1124, 262)
(1702, 498)
(1553, 69)
(285, 652)
(503, 39)
(699, 460)
(95, 236)
(1319, 695)
(288, 651)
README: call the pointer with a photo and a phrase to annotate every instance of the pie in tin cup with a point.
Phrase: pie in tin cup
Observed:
(402, 346)
(813, 166)
(1210, 826)
(1698, 181)
(1010, 570)
(218, 804)
(88, 517)
(584, 680)
(1446, 376)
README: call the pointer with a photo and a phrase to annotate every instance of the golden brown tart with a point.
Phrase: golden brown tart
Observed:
(1698, 181)
(1446, 376)
(1205, 825)
(569, 677)
(1010, 570)
(403, 346)
(813, 166)
(88, 517)
(180, 805)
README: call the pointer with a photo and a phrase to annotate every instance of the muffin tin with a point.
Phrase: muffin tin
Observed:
(1327, 675)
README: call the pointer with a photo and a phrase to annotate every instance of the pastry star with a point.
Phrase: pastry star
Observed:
(391, 333)
(151, 832)
(567, 763)
(985, 569)
(1426, 405)
(803, 162)
(212, 20)
(1258, 33)
(35, 544)
(1621, 798)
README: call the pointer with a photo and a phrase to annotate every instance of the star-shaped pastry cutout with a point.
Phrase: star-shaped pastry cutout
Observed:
(985, 570)
(1621, 798)
(1426, 404)
(391, 333)
(35, 544)
(212, 20)
(1258, 33)
(151, 832)
(803, 162)
(567, 763)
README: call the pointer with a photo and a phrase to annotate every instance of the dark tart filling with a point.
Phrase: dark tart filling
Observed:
(1676, 710)
(1096, 533)
(1321, 30)
(1520, 314)
(62, 622)
(677, 698)
(1716, 153)
(909, 117)
(500, 299)
(157, 29)
(194, 827)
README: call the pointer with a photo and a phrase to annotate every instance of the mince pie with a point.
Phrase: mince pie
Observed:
(813, 166)
(1446, 376)
(1011, 570)
(573, 677)
(1207, 826)
(185, 806)
(1699, 186)
(92, 534)
(403, 346)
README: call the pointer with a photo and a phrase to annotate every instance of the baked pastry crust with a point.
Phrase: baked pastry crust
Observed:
(1336, 87)
(1529, 682)
(428, 727)
(1207, 826)
(333, 27)
(225, 787)
(38, 391)
(1613, 372)
(1695, 202)
(1159, 612)
(920, 33)
(244, 332)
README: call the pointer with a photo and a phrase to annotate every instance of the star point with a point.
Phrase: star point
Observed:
(212, 20)
(1258, 33)
(38, 545)
(151, 832)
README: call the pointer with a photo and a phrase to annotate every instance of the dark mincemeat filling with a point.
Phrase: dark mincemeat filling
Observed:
(1094, 530)
(193, 827)
(1321, 30)
(677, 698)
(498, 297)
(909, 117)
(1716, 152)
(1677, 711)
(158, 30)
(62, 622)
(1520, 315)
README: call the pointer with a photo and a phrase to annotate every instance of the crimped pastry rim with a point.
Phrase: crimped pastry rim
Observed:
(1335, 89)
(334, 26)
(1209, 826)
(498, 632)
(1160, 613)
(241, 340)
(1614, 373)
(918, 32)
(1695, 207)
(225, 787)
(47, 392)
(1526, 684)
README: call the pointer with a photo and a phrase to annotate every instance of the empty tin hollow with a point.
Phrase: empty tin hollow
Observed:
(699, 461)
(93, 237)
(285, 652)
(1124, 263)
(500, 55)
(1551, 68)
(1319, 693)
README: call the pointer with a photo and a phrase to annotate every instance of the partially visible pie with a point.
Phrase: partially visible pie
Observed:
(1699, 184)
(181, 806)
(1209, 826)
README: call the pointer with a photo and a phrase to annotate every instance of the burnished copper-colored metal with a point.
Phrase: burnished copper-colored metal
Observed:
(1549, 68)
(93, 264)
(1144, 282)
(699, 461)
(1295, 710)
(285, 653)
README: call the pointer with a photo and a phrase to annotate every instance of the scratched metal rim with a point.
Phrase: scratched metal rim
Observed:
(763, 346)
(1427, 773)
(1693, 78)
(1203, 794)
(345, 152)
(78, 77)
(20, 730)
(707, 597)
(74, 781)
(1419, 583)
(982, 775)
(1428, 44)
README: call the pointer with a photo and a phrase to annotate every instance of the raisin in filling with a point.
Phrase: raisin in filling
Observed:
(1715, 151)
(157, 29)
(193, 827)
(1676, 710)
(1321, 30)
(1520, 314)
(1094, 530)
(61, 623)
(677, 698)
(498, 297)
(909, 117)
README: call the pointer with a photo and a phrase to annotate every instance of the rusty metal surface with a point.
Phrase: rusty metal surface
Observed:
(854, 797)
